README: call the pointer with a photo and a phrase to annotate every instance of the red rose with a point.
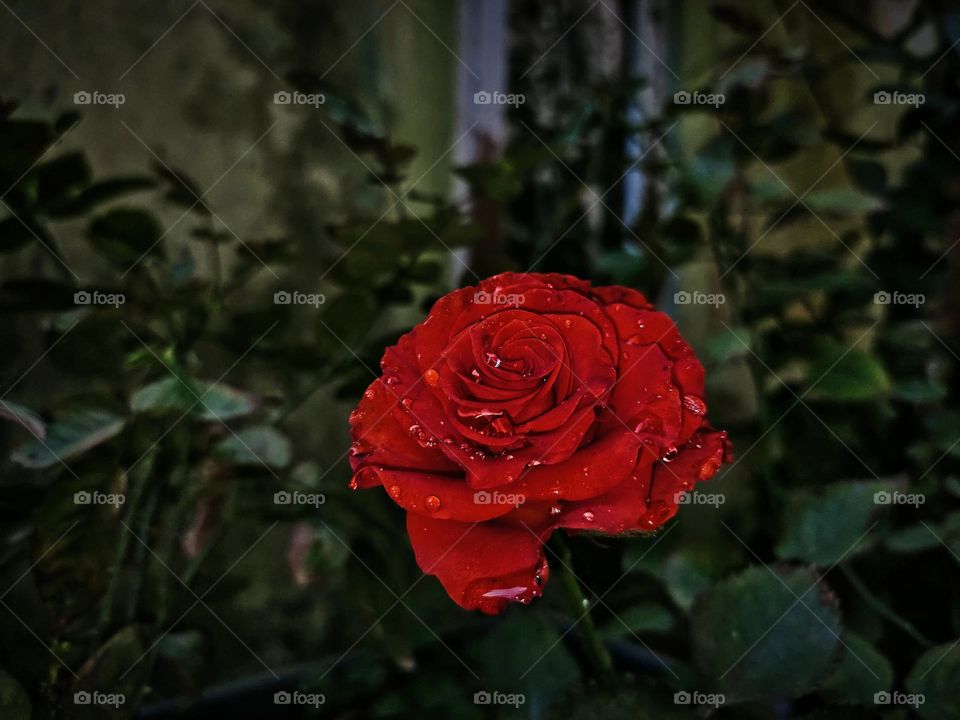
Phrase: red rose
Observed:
(526, 404)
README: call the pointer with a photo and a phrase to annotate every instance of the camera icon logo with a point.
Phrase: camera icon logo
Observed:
(282, 97)
(882, 497)
(82, 98)
(482, 697)
(881, 698)
(882, 97)
(281, 297)
(82, 297)
(282, 698)
(681, 298)
(282, 498)
(882, 298)
(682, 697)
(82, 498)
(482, 98)
(81, 697)
(682, 97)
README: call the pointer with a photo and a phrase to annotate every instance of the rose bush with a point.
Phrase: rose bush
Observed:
(524, 405)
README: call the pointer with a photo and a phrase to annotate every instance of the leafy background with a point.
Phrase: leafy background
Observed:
(797, 199)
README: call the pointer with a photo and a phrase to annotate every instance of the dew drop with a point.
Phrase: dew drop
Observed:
(407, 403)
(433, 503)
(431, 377)
(394, 492)
(492, 360)
(555, 509)
(588, 516)
(695, 405)
(669, 453)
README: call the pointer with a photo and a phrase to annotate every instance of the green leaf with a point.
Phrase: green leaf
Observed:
(754, 637)
(727, 344)
(842, 375)
(114, 670)
(862, 672)
(919, 391)
(125, 235)
(256, 445)
(540, 667)
(208, 401)
(936, 675)
(70, 435)
(14, 701)
(822, 528)
(916, 538)
(640, 618)
(24, 416)
(841, 202)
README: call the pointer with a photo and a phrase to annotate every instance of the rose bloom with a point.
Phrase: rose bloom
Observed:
(527, 404)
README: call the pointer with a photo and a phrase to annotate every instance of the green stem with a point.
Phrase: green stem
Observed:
(600, 663)
(139, 482)
(882, 608)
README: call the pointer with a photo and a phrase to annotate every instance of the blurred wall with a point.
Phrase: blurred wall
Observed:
(199, 78)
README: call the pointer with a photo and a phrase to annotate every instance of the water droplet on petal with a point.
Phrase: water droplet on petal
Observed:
(431, 377)
(407, 403)
(394, 492)
(588, 516)
(695, 405)
(492, 360)
(669, 453)
(555, 509)
(433, 503)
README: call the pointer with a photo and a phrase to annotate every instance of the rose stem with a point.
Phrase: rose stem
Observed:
(882, 609)
(600, 663)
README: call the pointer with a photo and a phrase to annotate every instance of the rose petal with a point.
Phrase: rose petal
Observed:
(481, 566)
(381, 436)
